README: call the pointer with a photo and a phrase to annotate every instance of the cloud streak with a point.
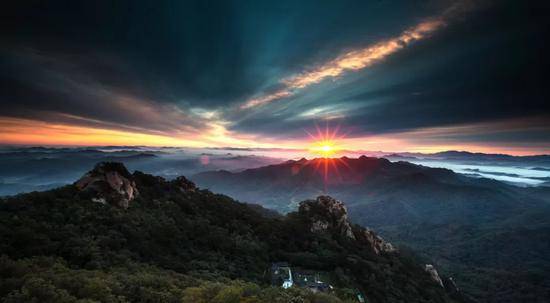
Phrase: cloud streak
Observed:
(360, 58)
(363, 58)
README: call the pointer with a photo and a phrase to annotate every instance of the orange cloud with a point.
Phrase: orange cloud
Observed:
(23, 131)
(19, 131)
(350, 61)
(30, 132)
(266, 99)
(362, 58)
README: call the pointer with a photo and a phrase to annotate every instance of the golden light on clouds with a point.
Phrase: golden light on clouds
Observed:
(18, 131)
(22, 131)
(350, 61)
(266, 99)
(363, 58)
(326, 144)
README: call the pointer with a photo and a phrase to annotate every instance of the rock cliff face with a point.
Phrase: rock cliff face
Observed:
(378, 244)
(328, 214)
(109, 182)
(434, 274)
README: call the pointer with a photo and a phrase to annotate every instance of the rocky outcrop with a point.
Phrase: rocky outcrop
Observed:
(433, 273)
(109, 182)
(326, 214)
(378, 244)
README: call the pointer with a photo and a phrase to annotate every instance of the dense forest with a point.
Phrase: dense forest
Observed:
(177, 243)
(493, 238)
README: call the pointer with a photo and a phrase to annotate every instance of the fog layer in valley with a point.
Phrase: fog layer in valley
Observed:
(25, 169)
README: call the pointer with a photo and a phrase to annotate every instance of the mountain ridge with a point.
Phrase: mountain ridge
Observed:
(201, 236)
(396, 198)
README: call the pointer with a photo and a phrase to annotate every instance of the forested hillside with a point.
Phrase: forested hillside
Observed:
(120, 237)
(492, 237)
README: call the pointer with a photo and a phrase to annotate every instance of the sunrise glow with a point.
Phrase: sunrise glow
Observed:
(325, 142)
(324, 148)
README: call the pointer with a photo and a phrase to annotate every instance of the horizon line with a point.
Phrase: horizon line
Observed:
(340, 153)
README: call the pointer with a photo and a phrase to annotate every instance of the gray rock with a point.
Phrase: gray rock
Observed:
(433, 273)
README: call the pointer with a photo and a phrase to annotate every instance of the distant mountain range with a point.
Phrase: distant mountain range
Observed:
(493, 236)
(25, 169)
(469, 156)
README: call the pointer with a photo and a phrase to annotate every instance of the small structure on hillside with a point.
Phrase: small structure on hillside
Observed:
(281, 275)
(312, 280)
(285, 276)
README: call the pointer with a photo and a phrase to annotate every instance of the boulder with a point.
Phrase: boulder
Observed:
(109, 182)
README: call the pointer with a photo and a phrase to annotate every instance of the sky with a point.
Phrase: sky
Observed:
(420, 76)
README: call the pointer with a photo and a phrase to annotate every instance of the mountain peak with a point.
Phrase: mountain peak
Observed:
(109, 182)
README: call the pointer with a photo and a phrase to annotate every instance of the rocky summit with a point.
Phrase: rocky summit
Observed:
(109, 182)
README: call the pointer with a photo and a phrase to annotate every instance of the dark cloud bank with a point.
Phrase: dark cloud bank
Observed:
(129, 64)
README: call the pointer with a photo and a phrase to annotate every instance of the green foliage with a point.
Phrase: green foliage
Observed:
(173, 246)
(45, 280)
(239, 291)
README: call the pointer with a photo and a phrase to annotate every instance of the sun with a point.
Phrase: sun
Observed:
(325, 142)
(325, 148)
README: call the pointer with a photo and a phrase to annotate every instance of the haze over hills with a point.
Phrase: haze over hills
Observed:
(517, 170)
(494, 236)
(24, 169)
(116, 236)
(465, 155)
